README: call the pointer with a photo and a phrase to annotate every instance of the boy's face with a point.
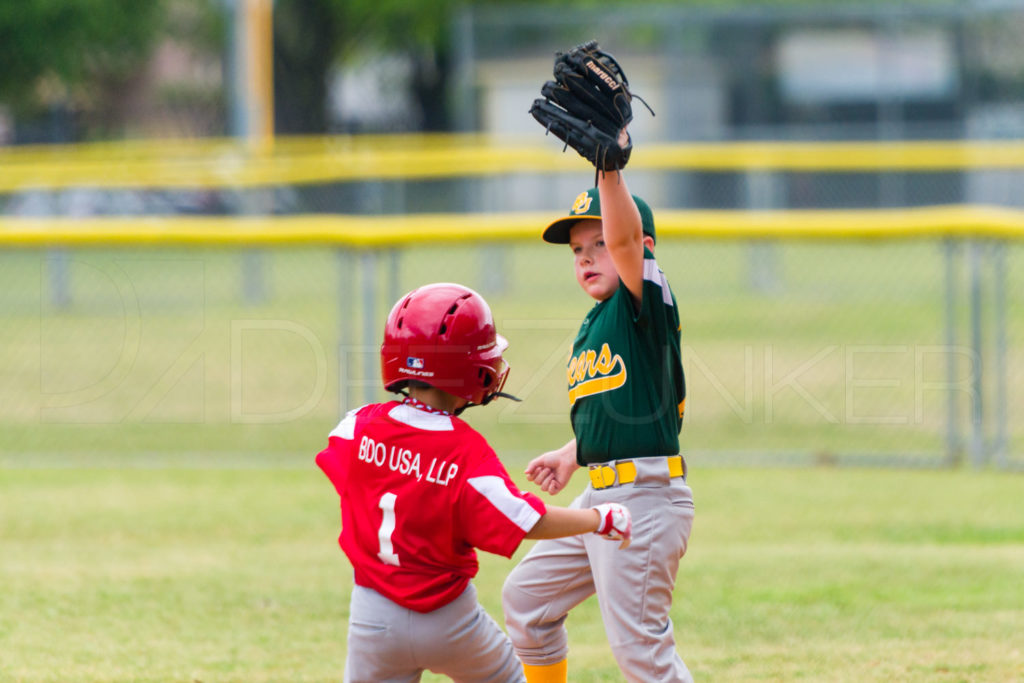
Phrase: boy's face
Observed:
(595, 270)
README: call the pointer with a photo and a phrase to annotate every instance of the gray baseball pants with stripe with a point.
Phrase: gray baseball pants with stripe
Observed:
(387, 642)
(634, 586)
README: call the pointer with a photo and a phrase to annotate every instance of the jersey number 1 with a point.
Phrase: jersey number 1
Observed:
(387, 527)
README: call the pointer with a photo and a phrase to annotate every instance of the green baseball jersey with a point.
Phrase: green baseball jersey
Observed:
(626, 384)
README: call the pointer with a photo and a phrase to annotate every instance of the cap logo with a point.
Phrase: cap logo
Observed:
(582, 204)
(414, 363)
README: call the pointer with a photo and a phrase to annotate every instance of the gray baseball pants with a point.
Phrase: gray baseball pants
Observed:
(634, 586)
(387, 642)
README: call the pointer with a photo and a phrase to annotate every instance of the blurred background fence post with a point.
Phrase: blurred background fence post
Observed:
(347, 311)
(1002, 371)
(252, 117)
(369, 288)
(978, 438)
(763, 193)
(954, 441)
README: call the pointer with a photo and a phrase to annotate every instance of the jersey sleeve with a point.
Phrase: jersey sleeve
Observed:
(332, 459)
(494, 514)
(657, 317)
(658, 328)
(658, 305)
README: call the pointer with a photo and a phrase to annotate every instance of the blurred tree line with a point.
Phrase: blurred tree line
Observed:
(70, 67)
(85, 69)
(72, 64)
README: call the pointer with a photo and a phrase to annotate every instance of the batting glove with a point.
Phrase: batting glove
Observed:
(616, 523)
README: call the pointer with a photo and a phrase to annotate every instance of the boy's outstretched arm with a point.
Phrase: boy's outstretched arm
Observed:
(558, 522)
(610, 520)
(623, 230)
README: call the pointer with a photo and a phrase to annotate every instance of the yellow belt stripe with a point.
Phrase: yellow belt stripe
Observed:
(603, 476)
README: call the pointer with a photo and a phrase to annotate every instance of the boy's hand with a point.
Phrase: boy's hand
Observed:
(616, 523)
(552, 470)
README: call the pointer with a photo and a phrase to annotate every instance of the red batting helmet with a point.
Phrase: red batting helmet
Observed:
(443, 335)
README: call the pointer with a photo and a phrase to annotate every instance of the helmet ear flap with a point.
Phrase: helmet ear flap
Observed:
(491, 377)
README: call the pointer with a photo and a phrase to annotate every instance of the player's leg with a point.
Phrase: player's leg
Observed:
(378, 640)
(463, 642)
(553, 578)
(635, 586)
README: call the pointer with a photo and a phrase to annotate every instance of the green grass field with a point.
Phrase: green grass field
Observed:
(233, 574)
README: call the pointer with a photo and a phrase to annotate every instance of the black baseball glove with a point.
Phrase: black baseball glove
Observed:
(587, 105)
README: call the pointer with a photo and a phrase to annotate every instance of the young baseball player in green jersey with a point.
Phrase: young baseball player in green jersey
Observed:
(627, 393)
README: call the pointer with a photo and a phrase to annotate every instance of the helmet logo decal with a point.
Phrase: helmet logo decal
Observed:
(415, 373)
(581, 204)
(415, 367)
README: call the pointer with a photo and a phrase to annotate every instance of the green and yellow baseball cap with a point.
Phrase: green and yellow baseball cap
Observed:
(588, 205)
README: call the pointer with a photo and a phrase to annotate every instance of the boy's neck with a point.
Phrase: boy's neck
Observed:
(436, 398)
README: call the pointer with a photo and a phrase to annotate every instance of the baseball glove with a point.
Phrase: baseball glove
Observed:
(587, 105)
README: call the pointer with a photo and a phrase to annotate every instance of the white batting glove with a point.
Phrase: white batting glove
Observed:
(616, 523)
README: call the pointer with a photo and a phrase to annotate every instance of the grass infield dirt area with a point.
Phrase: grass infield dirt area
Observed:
(231, 573)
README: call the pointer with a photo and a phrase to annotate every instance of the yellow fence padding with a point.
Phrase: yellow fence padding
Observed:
(222, 162)
(961, 221)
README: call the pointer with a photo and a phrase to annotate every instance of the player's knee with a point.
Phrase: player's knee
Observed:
(537, 636)
(516, 606)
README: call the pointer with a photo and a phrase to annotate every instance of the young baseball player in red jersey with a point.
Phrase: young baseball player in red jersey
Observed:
(420, 489)
(627, 393)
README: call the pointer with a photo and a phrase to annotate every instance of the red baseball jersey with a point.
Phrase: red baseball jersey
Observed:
(419, 491)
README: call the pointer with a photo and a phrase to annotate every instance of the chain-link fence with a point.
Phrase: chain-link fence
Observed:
(877, 352)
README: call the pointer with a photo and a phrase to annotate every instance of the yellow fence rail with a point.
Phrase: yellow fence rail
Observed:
(962, 221)
(210, 163)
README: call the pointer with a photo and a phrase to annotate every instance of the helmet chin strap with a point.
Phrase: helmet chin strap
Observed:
(487, 400)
